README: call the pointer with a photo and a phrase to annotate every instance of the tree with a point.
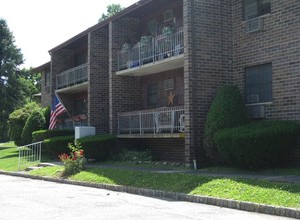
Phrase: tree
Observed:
(12, 93)
(111, 10)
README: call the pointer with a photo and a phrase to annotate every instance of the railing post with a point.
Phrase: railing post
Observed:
(140, 117)
(118, 123)
(19, 163)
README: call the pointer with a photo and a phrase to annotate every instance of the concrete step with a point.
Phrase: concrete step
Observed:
(32, 168)
(46, 165)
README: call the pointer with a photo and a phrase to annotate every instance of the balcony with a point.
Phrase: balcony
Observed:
(163, 53)
(72, 78)
(166, 122)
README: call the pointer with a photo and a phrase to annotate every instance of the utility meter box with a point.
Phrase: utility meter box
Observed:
(84, 131)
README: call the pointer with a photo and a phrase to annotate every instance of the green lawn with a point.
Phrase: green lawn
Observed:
(8, 157)
(251, 190)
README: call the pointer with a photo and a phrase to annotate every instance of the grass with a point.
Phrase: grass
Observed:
(277, 171)
(8, 157)
(250, 190)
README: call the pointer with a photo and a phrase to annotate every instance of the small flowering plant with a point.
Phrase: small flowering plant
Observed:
(73, 163)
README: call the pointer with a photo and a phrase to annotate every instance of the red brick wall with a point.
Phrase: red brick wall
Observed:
(165, 149)
(158, 79)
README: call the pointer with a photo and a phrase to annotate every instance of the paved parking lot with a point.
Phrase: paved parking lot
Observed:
(23, 198)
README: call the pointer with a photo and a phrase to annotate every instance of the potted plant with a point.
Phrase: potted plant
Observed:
(168, 30)
(145, 40)
(126, 46)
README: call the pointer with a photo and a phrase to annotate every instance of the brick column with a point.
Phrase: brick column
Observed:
(98, 101)
(124, 91)
(208, 65)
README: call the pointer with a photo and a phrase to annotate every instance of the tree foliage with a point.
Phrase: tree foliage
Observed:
(16, 86)
(111, 10)
(17, 120)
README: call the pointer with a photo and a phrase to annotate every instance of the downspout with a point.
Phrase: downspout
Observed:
(194, 133)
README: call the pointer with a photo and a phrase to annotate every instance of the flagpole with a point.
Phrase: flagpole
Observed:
(64, 107)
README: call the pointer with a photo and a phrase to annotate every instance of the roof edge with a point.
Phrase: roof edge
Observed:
(102, 23)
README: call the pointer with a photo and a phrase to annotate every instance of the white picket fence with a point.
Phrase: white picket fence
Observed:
(29, 154)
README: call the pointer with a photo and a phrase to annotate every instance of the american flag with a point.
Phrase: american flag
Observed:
(57, 109)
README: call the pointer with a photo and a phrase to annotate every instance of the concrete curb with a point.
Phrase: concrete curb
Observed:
(225, 203)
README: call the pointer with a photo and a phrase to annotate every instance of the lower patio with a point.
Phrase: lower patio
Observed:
(164, 122)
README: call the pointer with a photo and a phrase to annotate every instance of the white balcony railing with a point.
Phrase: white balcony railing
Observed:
(154, 121)
(72, 76)
(159, 48)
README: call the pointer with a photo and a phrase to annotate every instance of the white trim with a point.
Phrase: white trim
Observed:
(259, 103)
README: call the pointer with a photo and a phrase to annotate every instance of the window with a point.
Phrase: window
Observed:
(255, 8)
(259, 84)
(80, 59)
(152, 95)
(47, 78)
(168, 15)
(80, 106)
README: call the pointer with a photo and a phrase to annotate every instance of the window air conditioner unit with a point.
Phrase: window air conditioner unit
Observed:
(255, 24)
(256, 111)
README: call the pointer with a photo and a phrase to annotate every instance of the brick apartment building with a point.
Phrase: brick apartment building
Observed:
(149, 73)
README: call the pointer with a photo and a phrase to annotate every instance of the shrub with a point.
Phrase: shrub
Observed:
(257, 145)
(47, 112)
(98, 146)
(227, 110)
(46, 134)
(36, 121)
(73, 163)
(57, 145)
(17, 120)
(134, 155)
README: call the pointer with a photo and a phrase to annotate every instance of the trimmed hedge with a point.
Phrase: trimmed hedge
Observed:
(46, 134)
(98, 146)
(257, 145)
(36, 121)
(57, 145)
(227, 110)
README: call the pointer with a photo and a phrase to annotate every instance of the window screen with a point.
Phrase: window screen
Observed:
(259, 84)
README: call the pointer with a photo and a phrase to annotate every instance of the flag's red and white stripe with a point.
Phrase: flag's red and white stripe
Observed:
(57, 109)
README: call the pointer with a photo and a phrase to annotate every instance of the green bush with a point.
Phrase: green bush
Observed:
(134, 155)
(98, 146)
(227, 110)
(257, 145)
(17, 120)
(57, 145)
(36, 121)
(47, 112)
(45, 134)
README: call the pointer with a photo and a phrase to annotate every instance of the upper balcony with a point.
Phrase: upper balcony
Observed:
(152, 55)
(73, 79)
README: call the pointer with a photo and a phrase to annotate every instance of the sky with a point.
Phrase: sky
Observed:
(40, 25)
